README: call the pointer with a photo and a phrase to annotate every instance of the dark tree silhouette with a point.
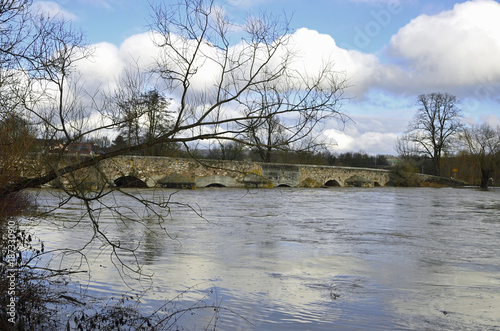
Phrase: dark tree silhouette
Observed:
(435, 123)
(482, 145)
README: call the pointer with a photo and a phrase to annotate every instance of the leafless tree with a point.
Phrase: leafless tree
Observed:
(37, 53)
(158, 117)
(227, 151)
(435, 123)
(14, 30)
(252, 92)
(16, 140)
(482, 145)
(406, 148)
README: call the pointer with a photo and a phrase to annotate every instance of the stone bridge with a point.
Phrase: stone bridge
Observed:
(189, 173)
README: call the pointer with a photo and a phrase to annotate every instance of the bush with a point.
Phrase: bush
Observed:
(403, 175)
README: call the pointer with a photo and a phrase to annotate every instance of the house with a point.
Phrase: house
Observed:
(83, 149)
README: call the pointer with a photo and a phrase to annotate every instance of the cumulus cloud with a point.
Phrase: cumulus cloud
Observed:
(108, 62)
(52, 9)
(373, 142)
(314, 50)
(452, 50)
(376, 123)
(103, 68)
(139, 48)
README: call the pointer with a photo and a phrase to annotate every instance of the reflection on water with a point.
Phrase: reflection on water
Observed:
(295, 259)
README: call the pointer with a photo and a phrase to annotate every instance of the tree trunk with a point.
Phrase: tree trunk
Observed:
(485, 178)
(436, 162)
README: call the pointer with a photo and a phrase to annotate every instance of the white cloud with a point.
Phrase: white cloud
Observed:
(52, 9)
(312, 48)
(491, 119)
(103, 68)
(451, 50)
(315, 49)
(376, 142)
(372, 142)
(109, 62)
(139, 48)
(371, 134)
(342, 141)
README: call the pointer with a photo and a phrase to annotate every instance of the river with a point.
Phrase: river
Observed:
(300, 259)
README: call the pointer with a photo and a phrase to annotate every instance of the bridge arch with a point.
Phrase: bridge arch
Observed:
(176, 180)
(332, 183)
(358, 181)
(215, 181)
(217, 185)
(130, 181)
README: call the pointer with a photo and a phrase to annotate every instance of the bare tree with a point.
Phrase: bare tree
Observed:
(139, 109)
(125, 104)
(267, 135)
(16, 140)
(435, 123)
(14, 32)
(158, 118)
(406, 148)
(253, 92)
(227, 151)
(291, 109)
(37, 53)
(482, 145)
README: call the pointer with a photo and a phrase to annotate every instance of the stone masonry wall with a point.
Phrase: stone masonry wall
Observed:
(151, 170)
(158, 171)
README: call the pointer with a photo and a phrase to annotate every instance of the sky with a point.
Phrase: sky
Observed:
(391, 51)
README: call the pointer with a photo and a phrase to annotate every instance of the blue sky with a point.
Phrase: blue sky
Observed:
(393, 50)
(346, 21)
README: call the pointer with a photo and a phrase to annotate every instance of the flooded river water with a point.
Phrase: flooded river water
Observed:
(304, 259)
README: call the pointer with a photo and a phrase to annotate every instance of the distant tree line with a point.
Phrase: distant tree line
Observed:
(231, 151)
(238, 152)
